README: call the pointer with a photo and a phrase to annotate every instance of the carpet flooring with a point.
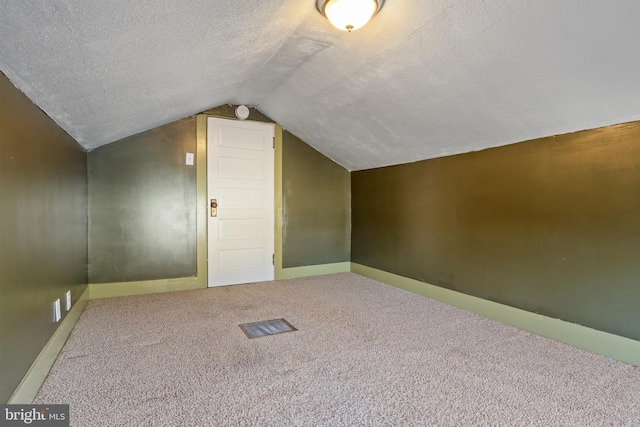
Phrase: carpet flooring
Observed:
(364, 354)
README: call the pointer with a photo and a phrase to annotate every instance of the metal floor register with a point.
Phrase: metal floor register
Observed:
(268, 327)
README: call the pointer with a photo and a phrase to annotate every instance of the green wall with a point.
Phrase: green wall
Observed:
(142, 210)
(551, 226)
(316, 206)
(142, 205)
(43, 224)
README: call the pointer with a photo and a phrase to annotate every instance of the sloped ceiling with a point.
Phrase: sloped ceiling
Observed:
(423, 79)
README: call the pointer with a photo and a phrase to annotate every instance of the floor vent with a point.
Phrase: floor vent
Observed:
(268, 327)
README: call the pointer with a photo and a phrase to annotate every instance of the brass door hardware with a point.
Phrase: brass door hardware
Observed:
(214, 207)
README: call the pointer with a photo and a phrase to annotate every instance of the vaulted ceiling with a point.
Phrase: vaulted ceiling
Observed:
(423, 79)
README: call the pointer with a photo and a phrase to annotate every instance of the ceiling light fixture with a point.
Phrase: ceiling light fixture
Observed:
(349, 15)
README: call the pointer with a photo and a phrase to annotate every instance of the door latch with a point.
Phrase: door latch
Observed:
(214, 207)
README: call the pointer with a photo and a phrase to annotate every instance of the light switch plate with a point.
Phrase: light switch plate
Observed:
(190, 159)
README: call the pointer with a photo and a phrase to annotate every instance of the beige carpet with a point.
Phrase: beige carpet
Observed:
(365, 354)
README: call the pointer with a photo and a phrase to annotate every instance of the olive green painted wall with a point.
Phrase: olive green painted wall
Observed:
(551, 226)
(43, 229)
(142, 206)
(316, 206)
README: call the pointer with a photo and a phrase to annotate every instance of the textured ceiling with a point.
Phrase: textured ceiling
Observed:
(424, 79)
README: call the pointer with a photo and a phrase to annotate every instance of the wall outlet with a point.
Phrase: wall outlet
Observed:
(190, 159)
(67, 301)
(57, 315)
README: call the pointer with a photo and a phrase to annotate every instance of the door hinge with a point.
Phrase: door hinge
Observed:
(273, 259)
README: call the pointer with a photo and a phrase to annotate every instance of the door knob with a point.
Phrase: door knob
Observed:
(214, 207)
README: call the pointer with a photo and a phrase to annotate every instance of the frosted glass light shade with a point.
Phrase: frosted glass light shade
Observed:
(349, 15)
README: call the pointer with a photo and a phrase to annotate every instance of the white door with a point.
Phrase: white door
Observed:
(240, 181)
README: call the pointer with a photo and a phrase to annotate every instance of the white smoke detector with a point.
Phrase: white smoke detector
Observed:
(242, 112)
